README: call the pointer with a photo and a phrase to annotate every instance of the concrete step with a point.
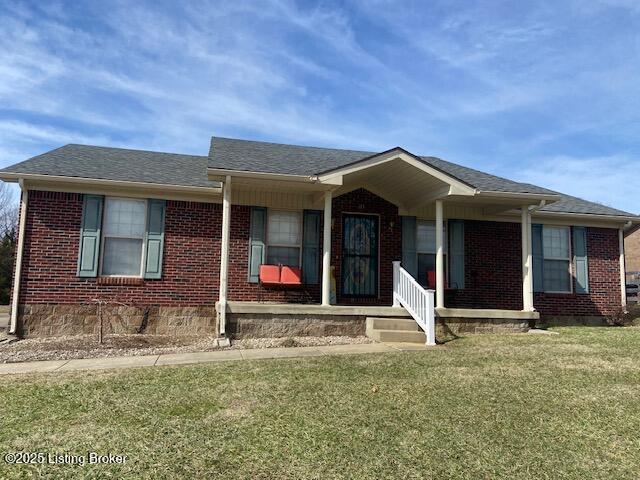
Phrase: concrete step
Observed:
(399, 336)
(386, 323)
(397, 330)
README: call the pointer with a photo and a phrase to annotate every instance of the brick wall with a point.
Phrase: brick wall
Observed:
(390, 241)
(604, 295)
(632, 252)
(191, 260)
(240, 289)
(492, 270)
(191, 256)
(493, 273)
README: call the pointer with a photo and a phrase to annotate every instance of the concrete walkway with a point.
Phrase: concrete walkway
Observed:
(202, 357)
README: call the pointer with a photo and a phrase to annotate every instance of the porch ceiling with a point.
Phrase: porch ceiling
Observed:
(398, 182)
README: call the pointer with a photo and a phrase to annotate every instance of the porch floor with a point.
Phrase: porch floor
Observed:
(372, 311)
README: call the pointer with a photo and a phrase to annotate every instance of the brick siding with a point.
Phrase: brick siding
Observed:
(604, 295)
(192, 255)
(191, 262)
(362, 201)
(493, 273)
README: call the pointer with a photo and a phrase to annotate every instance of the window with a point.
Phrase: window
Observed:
(124, 227)
(557, 259)
(426, 248)
(284, 238)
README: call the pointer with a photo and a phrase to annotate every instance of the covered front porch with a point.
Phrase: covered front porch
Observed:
(362, 213)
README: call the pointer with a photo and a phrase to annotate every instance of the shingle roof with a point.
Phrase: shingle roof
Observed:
(266, 157)
(105, 163)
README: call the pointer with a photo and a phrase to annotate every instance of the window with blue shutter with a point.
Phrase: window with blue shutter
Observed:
(538, 258)
(456, 252)
(89, 254)
(311, 247)
(409, 251)
(580, 260)
(154, 238)
(257, 239)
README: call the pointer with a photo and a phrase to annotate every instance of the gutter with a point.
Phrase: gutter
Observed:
(15, 295)
(17, 177)
(594, 216)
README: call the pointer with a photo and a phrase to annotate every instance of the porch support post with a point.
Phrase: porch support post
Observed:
(439, 256)
(224, 254)
(623, 279)
(19, 254)
(326, 249)
(527, 260)
(396, 283)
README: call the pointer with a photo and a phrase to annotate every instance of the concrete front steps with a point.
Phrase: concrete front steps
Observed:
(394, 330)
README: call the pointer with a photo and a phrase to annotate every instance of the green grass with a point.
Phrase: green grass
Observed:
(519, 406)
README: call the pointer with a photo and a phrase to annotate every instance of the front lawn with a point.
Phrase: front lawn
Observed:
(518, 406)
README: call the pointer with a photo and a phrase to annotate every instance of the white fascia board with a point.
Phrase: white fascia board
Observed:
(589, 216)
(15, 177)
(217, 173)
(535, 197)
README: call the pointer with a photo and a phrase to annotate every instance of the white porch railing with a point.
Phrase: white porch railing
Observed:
(416, 300)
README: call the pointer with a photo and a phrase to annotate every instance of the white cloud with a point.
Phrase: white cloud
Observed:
(610, 180)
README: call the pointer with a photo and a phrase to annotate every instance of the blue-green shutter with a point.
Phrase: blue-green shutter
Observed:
(89, 253)
(580, 259)
(311, 246)
(456, 254)
(538, 258)
(154, 238)
(257, 240)
(409, 252)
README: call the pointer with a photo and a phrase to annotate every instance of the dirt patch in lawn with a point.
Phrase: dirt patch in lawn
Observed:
(87, 346)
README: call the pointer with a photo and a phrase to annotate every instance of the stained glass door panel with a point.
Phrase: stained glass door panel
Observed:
(360, 256)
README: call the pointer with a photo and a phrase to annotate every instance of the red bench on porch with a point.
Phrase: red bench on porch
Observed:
(279, 276)
(431, 281)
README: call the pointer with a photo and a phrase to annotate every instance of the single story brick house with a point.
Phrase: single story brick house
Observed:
(262, 238)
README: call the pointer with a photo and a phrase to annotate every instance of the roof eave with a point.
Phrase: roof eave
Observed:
(591, 216)
(219, 174)
(524, 196)
(15, 177)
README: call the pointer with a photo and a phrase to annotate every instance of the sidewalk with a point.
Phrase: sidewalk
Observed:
(202, 357)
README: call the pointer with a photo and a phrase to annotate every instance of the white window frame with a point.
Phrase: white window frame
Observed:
(103, 236)
(569, 259)
(298, 213)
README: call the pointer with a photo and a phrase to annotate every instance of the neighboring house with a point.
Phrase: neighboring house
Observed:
(632, 253)
(175, 243)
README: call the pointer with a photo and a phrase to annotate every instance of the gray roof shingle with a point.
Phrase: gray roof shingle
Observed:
(106, 163)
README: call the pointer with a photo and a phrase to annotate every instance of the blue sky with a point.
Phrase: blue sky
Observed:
(542, 92)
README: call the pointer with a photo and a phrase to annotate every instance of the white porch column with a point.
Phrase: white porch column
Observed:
(623, 278)
(326, 250)
(396, 282)
(527, 260)
(224, 253)
(439, 256)
(19, 254)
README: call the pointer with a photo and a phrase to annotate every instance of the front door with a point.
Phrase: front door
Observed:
(360, 256)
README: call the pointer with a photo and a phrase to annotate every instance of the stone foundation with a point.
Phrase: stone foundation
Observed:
(571, 321)
(247, 325)
(50, 320)
(449, 327)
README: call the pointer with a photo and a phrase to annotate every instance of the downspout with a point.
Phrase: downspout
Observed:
(24, 198)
